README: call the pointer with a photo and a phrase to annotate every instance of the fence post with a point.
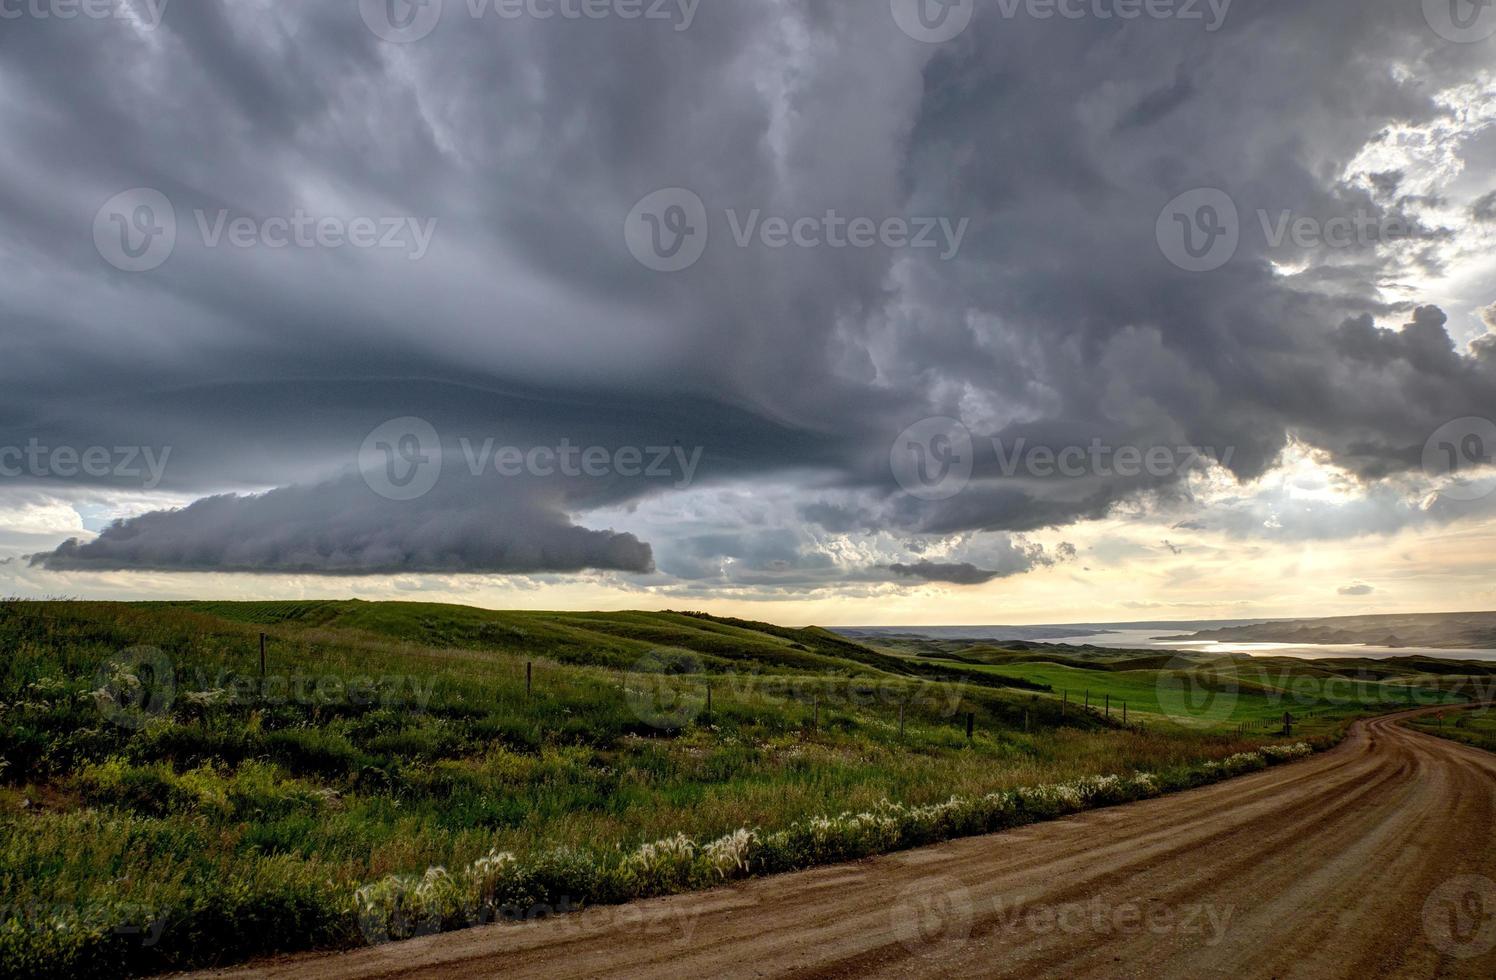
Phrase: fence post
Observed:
(816, 716)
(709, 702)
(901, 722)
(1108, 705)
(1124, 712)
(971, 724)
(1064, 701)
(1025, 721)
(262, 658)
(529, 672)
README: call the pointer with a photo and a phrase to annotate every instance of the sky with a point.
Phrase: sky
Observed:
(846, 312)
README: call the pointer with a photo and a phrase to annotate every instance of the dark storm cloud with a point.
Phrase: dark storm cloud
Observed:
(963, 573)
(528, 142)
(1003, 556)
(342, 528)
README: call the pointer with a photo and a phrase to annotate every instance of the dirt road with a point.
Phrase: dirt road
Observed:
(1375, 859)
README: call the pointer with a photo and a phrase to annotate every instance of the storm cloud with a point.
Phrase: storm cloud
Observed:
(963, 573)
(342, 529)
(524, 145)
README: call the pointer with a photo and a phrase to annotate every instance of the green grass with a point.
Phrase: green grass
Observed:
(1208, 692)
(1253, 693)
(1472, 727)
(1139, 689)
(146, 827)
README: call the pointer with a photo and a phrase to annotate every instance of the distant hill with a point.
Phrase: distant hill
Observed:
(1452, 631)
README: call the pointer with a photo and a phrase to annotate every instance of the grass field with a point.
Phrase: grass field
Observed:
(1212, 692)
(1476, 727)
(1255, 694)
(398, 768)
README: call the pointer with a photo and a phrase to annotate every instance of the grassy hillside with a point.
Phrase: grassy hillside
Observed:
(1475, 630)
(680, 642)
(164, 804)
